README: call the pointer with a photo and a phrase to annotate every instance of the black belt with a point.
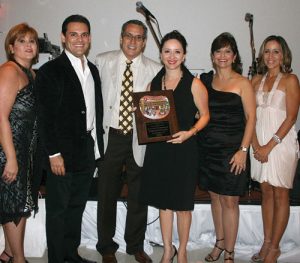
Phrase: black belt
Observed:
(119, 132)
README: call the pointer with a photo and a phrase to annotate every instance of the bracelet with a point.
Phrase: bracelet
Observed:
(276, 138)
(243, 149)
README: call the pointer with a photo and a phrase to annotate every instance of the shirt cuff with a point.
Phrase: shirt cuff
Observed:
(54, 155)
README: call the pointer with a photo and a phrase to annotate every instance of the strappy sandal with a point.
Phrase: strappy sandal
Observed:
(173, 256)
(209, 257)
(275, 253)
(229, 256)
(10, 258)
(260, 256)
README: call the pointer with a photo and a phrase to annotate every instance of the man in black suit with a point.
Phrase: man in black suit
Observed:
(70, 117)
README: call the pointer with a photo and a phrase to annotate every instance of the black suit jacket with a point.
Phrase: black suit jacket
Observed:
(62, 110)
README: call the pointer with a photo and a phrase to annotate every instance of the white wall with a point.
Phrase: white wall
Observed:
(199, 20)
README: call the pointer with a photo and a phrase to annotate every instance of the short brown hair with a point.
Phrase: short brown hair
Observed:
(16, 32)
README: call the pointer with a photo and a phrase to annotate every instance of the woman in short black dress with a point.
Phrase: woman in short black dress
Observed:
(170, 168)
(224, 142)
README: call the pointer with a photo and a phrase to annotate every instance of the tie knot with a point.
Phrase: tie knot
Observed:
(128, 63)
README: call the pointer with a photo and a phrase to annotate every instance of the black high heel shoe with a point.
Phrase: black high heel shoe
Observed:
(174, 255)
(209, 257)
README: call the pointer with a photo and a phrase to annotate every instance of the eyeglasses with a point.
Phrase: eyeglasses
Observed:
(130, 37)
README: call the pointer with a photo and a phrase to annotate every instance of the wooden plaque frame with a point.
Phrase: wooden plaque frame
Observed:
(155, 115)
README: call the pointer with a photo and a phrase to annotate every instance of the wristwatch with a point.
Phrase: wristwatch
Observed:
(244, 149)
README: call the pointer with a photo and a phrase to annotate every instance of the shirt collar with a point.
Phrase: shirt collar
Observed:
(75, 61)
(135, 62)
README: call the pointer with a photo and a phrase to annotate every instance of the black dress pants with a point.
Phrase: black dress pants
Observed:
(118, 153)
(66, 198)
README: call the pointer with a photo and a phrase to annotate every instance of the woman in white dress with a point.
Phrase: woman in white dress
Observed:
(275, 147)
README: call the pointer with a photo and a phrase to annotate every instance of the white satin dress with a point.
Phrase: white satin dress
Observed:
(280, 169)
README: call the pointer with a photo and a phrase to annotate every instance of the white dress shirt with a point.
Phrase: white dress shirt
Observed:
(88, 88)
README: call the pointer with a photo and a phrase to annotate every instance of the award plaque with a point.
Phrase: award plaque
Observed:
(155, 115)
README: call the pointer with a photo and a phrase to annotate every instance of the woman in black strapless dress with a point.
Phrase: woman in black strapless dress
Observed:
(224, 142)
(17, 138)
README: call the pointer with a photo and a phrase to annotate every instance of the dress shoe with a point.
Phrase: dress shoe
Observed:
(79, 259)
(142, 257)
(109, 258)
(84, 260)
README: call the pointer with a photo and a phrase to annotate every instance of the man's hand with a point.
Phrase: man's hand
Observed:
(57, 165)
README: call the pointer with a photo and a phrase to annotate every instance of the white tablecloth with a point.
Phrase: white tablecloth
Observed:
(201, 234)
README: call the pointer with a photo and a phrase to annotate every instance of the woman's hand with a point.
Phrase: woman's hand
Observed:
(238, 162)
(10, 171)
(180, 137)
(261, 153)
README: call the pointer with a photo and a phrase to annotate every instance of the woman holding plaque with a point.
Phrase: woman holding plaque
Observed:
(224, 143)
(275, 147)
(170, 168)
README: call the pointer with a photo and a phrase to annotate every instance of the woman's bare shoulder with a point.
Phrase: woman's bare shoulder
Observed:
(290, 77)
(9, 69)
(9, 75)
